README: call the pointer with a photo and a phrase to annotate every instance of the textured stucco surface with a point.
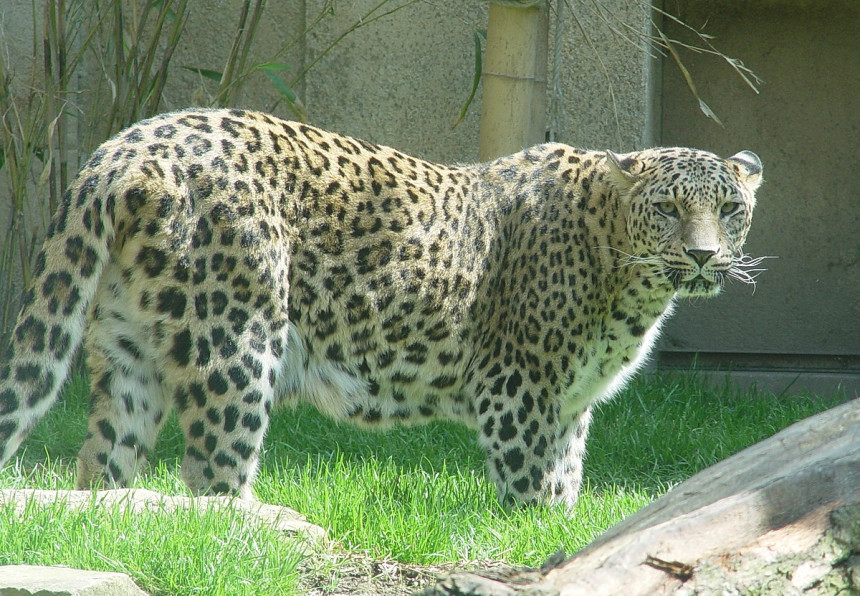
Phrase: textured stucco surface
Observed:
(399, 80)
(604, 75)
(398, 75)
(206, 43)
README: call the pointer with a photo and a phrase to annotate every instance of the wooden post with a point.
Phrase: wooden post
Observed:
(514, 78)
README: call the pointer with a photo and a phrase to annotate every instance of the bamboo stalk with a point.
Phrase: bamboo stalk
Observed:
(514, 79)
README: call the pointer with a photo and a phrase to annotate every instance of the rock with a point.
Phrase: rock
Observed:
(280, 518)
(31, 580)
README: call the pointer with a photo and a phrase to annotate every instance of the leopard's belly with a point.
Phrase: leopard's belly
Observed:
(380, 387)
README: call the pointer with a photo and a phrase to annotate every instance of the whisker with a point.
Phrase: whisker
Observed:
(745, 269)
(747, 261)
(628, 259)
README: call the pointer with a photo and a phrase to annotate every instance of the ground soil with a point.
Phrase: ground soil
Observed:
(349, 574)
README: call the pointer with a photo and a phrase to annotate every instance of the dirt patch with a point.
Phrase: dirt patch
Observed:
(348, 574)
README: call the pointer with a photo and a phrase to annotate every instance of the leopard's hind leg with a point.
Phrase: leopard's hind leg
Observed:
(127, 401)
(225, 402)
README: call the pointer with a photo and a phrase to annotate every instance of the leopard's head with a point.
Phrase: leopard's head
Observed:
(688, 214)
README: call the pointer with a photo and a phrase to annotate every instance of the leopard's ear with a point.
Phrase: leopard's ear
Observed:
(748, 167)
(624, 170)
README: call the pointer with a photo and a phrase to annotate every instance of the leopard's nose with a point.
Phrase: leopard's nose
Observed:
(701, 255)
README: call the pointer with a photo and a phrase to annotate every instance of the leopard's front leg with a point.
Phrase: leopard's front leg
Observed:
(533, 455)
(564, 479)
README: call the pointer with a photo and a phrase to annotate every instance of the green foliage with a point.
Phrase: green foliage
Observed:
(415, 495)
(133, 45)
(480, 37)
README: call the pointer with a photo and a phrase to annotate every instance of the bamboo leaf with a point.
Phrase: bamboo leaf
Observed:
(706, 109)
(171, 14)
(298, 109)
(476, 78)
(45, 176)
(212, 75)
(293, 102)
(274, 66)
(281, 86)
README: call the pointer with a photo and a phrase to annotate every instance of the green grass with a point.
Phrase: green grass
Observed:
(416, 495)
(164, 554)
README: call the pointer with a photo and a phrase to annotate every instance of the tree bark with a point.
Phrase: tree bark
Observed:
(781, 517)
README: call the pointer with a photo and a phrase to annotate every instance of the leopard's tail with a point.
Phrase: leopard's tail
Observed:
(50, 325)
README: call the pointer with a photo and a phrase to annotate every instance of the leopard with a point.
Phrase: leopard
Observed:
(219, 263)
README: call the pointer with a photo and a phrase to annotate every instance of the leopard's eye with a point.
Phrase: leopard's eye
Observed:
(729, 208)
(667, 208)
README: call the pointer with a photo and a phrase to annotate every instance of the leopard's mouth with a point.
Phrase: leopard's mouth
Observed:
(695, 285)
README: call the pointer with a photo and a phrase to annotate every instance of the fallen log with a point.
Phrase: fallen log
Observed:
(781, 517)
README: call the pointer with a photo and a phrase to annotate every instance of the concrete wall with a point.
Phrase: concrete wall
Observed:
(804, 316)
(602, 76)
(204, 45)
(402, 78)
(399, 80)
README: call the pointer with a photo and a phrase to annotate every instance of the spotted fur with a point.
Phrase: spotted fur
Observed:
(222, 262)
